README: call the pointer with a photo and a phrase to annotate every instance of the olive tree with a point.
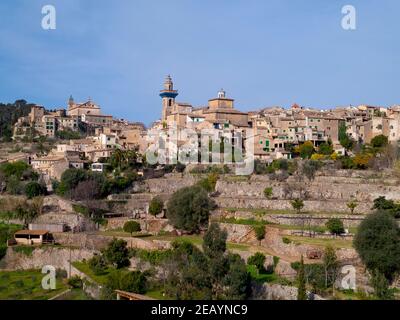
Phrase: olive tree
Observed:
(377, 243)
(189, 209)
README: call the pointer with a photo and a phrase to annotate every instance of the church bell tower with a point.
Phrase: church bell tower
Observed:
(168, 95)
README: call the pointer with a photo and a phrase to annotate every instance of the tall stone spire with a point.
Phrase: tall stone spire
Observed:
(168, 95)
(71, 101)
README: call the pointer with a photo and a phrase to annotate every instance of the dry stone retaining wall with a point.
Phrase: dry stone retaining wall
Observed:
(57, 257)
(73, 221)
(82, 240)
(151, 225)
(290, 219)
(313, 205)
(327, 189)
(170, 184)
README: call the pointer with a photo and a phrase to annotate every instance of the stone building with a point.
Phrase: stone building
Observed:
(79, 109)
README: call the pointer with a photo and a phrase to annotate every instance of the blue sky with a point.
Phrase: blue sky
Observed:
(262, 52)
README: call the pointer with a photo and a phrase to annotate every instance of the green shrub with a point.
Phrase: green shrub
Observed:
(97, 264)
(117, 253)
(276, 261)
(70, 179)
(335, 226)
(248, 222)
(156, 206)
(16, 169)
(286, 240)
(260, 167)
(295, 265)
(268, 192)
(19, 283)
(81, 209)
(130, 281)
(377, 243)
(14, 185)
(189, 209)
(131, 227)
(315, 274)
(180, 167)
(154, 257)
(68, 134)
(382, 204)
(379, 141)
(75, 282)
(34, 189)
(260, 232)
(24, 250)
(209, 183)
(258, 260)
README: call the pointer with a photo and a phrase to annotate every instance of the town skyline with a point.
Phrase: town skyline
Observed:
(157, 117)
(301, 55)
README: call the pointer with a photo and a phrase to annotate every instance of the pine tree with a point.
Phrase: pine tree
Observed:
(301, 293)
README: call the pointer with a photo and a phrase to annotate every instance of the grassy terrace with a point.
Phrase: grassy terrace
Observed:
(197, 240)
(75, 294)
(255, 222)
(271, 278)
(121, 233)
(84, 267)
(263, 212)
(194, 239)
(26, 285)
(336, 243)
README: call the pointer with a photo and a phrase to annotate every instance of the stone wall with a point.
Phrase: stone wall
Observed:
(309, 205)
(139, 243)
(277, 292)
(170, 183)
(90, 287)
(273, 292)
(151, 225)
(273, 243)
(329, 192)
(82, 240)
(57, 204)
(290, 219)
(314, 220)
(72, 220)
(239, 233)
(57, 257)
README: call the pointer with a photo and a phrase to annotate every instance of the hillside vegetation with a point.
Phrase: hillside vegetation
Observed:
(9, 114)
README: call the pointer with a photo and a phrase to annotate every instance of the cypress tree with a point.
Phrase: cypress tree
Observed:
(301, 293)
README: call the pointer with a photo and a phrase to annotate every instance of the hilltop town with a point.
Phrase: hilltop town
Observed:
(89, 136)
(165, 211)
